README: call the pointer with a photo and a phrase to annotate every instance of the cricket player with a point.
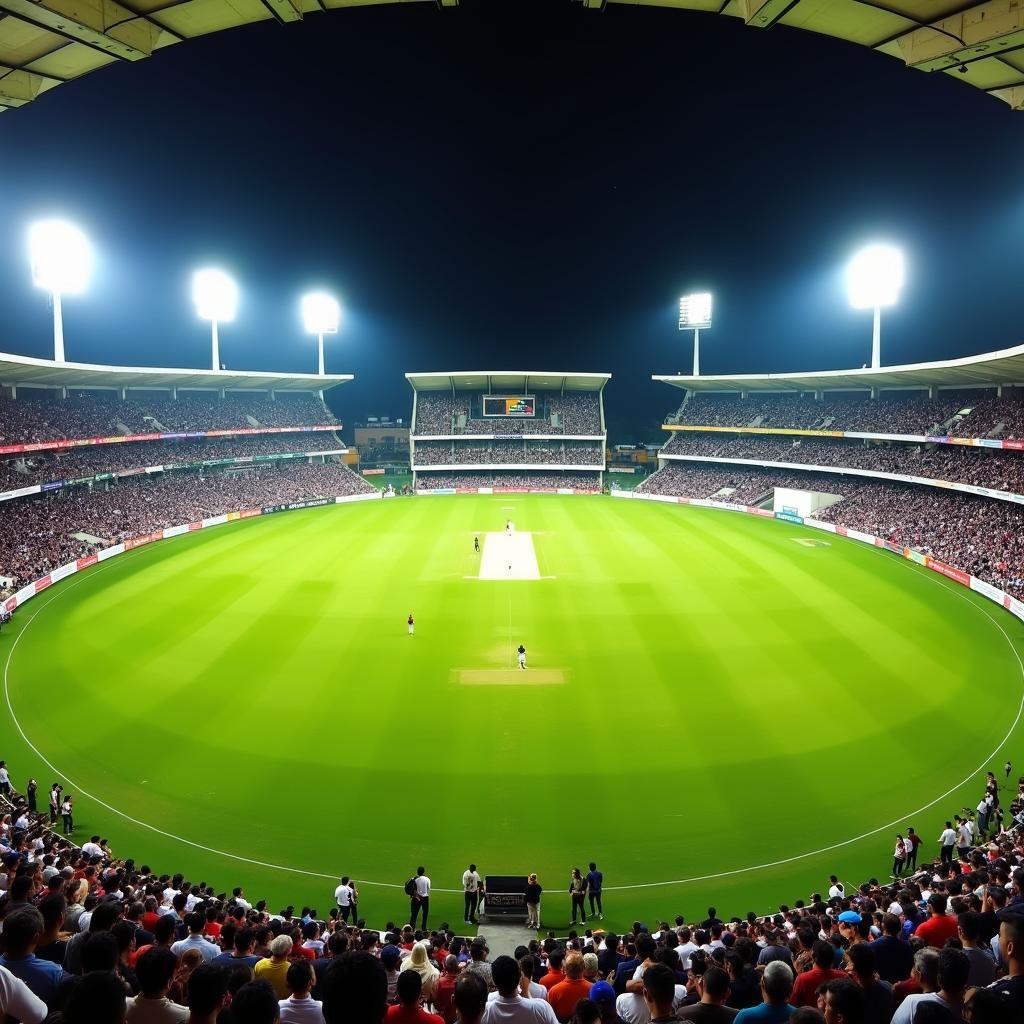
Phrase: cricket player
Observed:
(476, 545)
(411, 623)
(522, 657)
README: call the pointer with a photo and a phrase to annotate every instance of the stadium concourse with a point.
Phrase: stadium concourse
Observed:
(508, 431)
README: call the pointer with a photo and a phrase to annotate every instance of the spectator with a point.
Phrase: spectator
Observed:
(940, 926)
(805, 989)
(470, 1000)
(893, 957)
(17, 1000)
(776, 985)
(877, 1005)
(564, 996)
(355, 990)
(207, 993)
(155, 969)
(255, 1003)
(713, 989)
(300, 1007)
(274, 968)
(22, 929)
(408, 1010)
(842, 1003)
(196, 924)
(96, 999)
(954, 969)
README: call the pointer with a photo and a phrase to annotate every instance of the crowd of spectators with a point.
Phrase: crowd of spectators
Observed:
(445, 453)
(972, 413)
(519, 481)
(978, 535)
(998, 469)
(45, 416)
(38, 532)
(78, 463)
(91, 938)
(440, 413)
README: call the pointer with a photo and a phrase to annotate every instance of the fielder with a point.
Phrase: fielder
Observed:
(522, 657)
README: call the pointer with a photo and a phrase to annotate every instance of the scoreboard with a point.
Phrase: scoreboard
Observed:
(509, 406)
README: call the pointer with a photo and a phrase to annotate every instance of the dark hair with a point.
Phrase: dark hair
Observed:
(52, 907)
(716, 983)
(104, 916)
(354, 989)
(862, 958)
(848, 999)
(660, 982)
(954, 968)
(96, 999)
(823, 953)
(408, 988)
(207, 987)
(470, 996)
(21, 926)
(505, 973)
(100, 952)
(299, 975)
(154, 969)
(586, 1012)
(255, 1003)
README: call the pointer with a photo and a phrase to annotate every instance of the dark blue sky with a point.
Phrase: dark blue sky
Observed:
(519, 186)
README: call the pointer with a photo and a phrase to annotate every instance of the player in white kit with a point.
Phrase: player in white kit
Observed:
(522, 657)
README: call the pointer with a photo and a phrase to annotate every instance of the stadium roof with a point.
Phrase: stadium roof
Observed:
(1003, 367)
(497, 381)
(27, 371)
(46, 42)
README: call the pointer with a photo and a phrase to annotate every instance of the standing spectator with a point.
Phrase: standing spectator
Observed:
(947, 841)
(155, 969)
(533, 894)
(939, 926)
(713, 988)
(67, 811)
(806, 987)
(31, 789)
(343, 897)
(300, 1007)
(899, 856)
(471, 888)
(913, 841)
(564, 996)
(878, 1007)
(55, 792)
(954, 968)
(595, 884)
(408, 1010)
(275, 968)
(419, 898)
(555, 975)
(776, 985)
(577, 893)
(5, 781)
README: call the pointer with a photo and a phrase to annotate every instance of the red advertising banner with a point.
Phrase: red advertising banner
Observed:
(195, 526)
(84, 563)
(948, 571)
(42, 584)
(10, 604)
(841, 530)
(146, 538)
(249, 513)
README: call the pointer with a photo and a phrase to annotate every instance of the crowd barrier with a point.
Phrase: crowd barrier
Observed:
(1011, 604)
(30, 590)
(242, 460)
(79, 442)
(872, 474)
(426, 491)
(976, 442)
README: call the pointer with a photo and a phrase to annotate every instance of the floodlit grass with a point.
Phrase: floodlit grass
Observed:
(715, 696)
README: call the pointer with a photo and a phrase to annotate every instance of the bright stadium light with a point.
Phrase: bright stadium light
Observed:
(695, 315)
(61, 261)
(321, 314)
(873, 280)
(216, 298)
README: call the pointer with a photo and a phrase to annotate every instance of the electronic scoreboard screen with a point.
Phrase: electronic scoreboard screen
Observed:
(517, 407)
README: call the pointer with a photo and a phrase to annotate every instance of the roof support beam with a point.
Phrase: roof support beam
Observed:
(18, 87)
(984, 31)
(765, 13)
(284, 10)
(1014, 95)
(102, 24)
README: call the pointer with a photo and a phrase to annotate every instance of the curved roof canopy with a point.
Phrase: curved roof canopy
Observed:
(507, 381)
(27, 371)
(46, 42)
(988, 370)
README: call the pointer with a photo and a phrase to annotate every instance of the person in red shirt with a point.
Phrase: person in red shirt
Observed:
(564, 996)
(940, 926)
(806, 986)
(444, 994)
(555, 974)
(408, 1010)
(212, 929)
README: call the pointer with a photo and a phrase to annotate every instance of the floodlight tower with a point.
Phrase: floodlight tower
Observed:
(873, 280)
(695, 314)
(321, 315)
(61, 260)
(216, 298)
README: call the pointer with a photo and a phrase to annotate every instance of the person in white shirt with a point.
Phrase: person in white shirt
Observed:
(93, 848)
(196, 922)
(508, 1006)
(17, 1000)
(300, 1007)
(238, 896)
(471, 889)
(836, 889)
(685, 948)
(343, 897)
(419, 900)
(5, 781)
(947, 841)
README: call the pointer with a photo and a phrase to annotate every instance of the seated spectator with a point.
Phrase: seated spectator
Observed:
(18, 1001)
(155, 969)
(96, 999)
(713, 988)
(564, 996)
(805, 989)
(776, 985)
(408, 1010)
(842, 1002)
(22, 929)
(419, 962)
(207, 993)
(255, 1003)
(877, 1003)
(940, 926)
(275, 967)
(300, 1007)
(355, 990)
(470, 1000)
(954, 968)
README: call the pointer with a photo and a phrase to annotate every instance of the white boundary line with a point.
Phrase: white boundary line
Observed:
(395, 885)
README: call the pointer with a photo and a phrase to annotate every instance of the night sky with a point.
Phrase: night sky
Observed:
(518, 186)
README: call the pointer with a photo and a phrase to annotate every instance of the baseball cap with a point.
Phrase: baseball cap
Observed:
(601, 991)
(849, 917)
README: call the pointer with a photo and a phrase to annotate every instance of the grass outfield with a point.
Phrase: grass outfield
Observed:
(730, 697)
